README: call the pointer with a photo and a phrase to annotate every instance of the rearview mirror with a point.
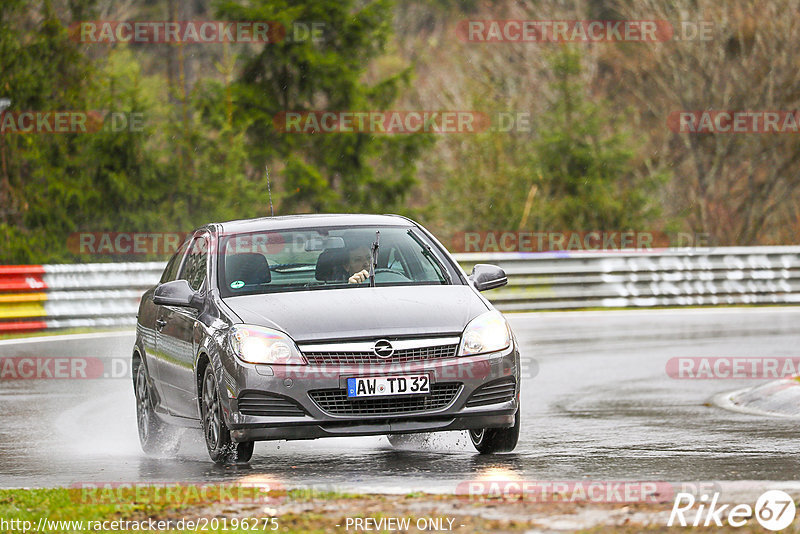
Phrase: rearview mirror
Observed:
(486, 276)
(177, 293)
(317, 244)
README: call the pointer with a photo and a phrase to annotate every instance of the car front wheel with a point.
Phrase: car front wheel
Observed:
(217, 435)
(491, 440)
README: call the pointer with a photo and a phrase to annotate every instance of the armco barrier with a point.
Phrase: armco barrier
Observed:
(34, 297)
(616, 279)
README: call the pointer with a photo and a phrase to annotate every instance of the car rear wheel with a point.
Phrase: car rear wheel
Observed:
(217, 434)
(491, 440)
(155, 436)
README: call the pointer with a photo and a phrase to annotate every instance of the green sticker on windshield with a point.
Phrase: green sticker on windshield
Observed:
(236, 284)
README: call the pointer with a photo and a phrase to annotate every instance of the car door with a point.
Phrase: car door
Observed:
(149, 320)
(176, 338)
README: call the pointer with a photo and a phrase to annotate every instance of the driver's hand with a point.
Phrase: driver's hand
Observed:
(358, 277)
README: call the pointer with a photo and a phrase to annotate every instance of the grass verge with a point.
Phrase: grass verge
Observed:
(210, 508)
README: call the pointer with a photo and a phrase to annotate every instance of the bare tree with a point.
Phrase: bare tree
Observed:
(741, 188)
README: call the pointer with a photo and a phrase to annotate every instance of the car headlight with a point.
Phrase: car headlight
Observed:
(486, 333)
(256, 344)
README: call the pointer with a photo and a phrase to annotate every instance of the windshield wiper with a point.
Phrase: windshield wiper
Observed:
(373, 258)
(428, 253)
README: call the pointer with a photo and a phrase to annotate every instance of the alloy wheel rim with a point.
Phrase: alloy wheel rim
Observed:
(211, 418)
(143, 397)
(476, 435)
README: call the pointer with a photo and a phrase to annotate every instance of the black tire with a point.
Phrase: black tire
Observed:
(156, 437)
(221, 448)
(492, 440)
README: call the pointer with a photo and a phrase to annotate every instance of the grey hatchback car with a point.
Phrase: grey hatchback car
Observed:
(310, 326)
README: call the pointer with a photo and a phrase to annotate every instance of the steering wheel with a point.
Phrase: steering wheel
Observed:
(390, 275)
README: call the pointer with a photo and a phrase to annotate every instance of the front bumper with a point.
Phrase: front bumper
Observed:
(312, 421)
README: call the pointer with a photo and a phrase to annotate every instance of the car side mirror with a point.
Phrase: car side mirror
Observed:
(177, 293)
(486, 277)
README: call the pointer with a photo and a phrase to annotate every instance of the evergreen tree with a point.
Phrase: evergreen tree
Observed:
(324, 172)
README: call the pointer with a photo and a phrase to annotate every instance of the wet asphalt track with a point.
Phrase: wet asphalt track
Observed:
(601, 406)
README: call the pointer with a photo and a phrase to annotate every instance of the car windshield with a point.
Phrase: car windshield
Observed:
(327, 258)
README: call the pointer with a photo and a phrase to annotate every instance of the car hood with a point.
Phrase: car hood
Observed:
(363, 312)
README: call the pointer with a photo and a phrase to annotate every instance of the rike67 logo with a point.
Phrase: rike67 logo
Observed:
(774, 510)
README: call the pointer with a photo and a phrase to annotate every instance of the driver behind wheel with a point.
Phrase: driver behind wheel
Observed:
(358, 263)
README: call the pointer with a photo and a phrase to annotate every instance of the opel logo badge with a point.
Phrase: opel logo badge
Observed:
(383, 349)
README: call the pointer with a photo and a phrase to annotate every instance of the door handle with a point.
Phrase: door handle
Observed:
(160, 323)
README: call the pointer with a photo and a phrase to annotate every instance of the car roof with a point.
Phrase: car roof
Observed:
(316, 220)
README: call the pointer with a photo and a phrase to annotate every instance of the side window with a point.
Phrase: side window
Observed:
(194, 269)
(171, 271)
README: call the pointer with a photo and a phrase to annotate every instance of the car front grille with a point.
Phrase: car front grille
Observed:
(369, 358)
(502, 390)
(336, 402)
(270, 405)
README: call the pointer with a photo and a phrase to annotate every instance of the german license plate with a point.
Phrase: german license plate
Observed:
(378, 386)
